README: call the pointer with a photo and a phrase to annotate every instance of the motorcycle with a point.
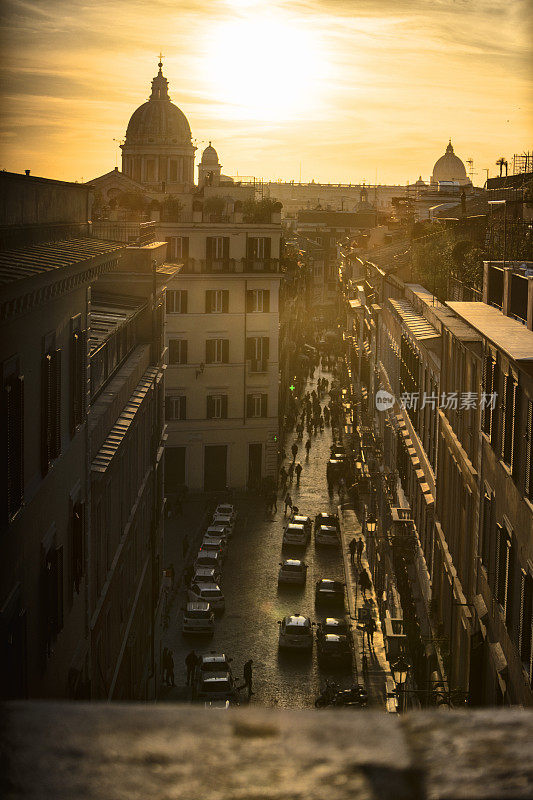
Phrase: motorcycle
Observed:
(325, 698)
(354, 696)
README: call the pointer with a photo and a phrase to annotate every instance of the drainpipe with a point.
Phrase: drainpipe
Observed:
(244, 367)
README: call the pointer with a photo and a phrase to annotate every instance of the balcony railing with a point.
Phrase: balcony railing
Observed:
(228, 265)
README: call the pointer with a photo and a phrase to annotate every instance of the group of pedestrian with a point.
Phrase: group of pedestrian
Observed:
(356, 548)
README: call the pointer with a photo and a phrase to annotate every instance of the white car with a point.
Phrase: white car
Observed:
(205, 575)
(216, 686)
(223, 519)
(209, 559)
(295, 633)
(207, 593)
(327, 535)
(213, 546)
(198, 617)
(216, 541)
(220, 531)
(227, 510)
(300, 519)
(292, 571)
(295, 535)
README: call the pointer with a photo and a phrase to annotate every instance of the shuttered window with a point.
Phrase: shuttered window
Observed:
(258, 247)
(177, 351)
(217, 301)
(216, 248)
(50, 408)
(256, 405)
(258, 300)
(502, 566)
(217, 406)
(176, 407)
(52, 584)
(528, 460)
(77, 379)
(176, 301)
(508, 419)
(526, 624)
(217, 351)
(77, 540)
(258, 351)
(13, 444)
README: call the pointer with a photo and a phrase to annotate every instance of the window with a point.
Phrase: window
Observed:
(509, 420)
(503, 563)
(258, 300)
(258, 248)
(76, 548)
(217, 301)
(177, 351)
(488, 386)
(528, 447)
(256, 405)
(176, 301)
(257, 350)
(486, 527)
(176, 407)
(173, 170)
(52, 583)
(77, 376)
(526, 624)
(217, 406)
(216, 248)
(50, 408)
(13, 438)
(178, 247)
(217, 351)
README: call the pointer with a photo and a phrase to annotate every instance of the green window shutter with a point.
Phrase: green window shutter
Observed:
(56, 403)
(183, 351)
(208, 301)
(59, 587)
(225, 351)
(225, 301)
(224, 413)
(173, 351)
(266, 300)
(185, 247)
(504, 421)
(249, 301)
(209, 351)
(528, 465)
(264, 405)
(515, 428)
(183, 407)
(251, 246)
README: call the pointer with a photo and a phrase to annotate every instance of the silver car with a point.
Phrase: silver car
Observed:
(292, 571)
(208, 593)
(198, 618)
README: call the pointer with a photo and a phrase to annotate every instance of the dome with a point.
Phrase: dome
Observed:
(449, 168)
(158, 121)
(210, 156)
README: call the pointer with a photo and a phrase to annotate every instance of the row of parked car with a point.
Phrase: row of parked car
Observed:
(205, 597)
(296, 631)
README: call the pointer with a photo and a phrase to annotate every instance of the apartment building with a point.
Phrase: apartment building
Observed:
(222, 328)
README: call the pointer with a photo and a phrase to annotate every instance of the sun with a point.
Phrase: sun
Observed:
(264, 66)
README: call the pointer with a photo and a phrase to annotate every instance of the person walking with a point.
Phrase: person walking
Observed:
(307, 448)
(273, 501)
(291, 471)
(247, 676)
(298, 470)
(352, 548)
(191, 662)
(294, 450)
(288, 503)
(364, 582)
(170, 668)
(360, 546)
(370, 628)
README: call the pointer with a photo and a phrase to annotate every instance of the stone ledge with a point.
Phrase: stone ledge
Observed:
(60, 751)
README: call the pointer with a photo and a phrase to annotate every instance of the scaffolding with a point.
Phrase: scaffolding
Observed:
(522, 163)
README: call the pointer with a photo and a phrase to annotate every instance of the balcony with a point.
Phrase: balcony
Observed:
(228, 265)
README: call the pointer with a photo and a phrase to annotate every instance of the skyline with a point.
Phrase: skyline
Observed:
(368, 91)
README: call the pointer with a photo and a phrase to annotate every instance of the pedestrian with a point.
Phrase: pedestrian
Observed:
(326, 415)
(191, 662)
(298, 470)
(321, 423)
(364, 582)
(170, 668)
(370, 628)
(290, 471)
(247, 675)
(352, 548)
(273, 501)
(283, 473)
(359, 549)
(164, 665)
(307, 447)
(294, 450)
(288, 503)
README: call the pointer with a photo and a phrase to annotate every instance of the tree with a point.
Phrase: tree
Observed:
(171, 208)
(215, 206)
(259, 210)
(132, 201)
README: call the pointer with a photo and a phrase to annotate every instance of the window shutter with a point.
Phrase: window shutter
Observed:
(225, 251)
(185, 247)
(249, 301)
(528, 478)
(210, 407)
(268, 246)
(504, 420)
(225, 301)
(250, 247)
(208, 301)
(224, 411)
(514, 427)
(250, 347)
(264, 403)
(170, 253)
(173, 351)
(17, 451)
(184, 296)
(46, 412)
(183, 407)
(494, 411)
(59, 587)
(249, 405)
(184, 347)
(56, 403)
(77, 545)
(168, 407)
(225, 351)
(266, 300)
(265, 347)
(484, 389)
(521, 599)
(209, 351)
(209, 247)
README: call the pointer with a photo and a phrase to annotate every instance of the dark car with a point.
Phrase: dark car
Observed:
(333, 650)
(329, 592)
(333, 625)
(323, 518)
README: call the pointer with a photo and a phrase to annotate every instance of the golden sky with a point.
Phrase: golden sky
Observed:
(342, 89)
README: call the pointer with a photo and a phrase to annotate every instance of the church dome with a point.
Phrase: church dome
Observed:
(449, 168)
(210, 156)
(158, 121)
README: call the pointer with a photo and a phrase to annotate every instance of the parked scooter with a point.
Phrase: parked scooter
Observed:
(325, 698)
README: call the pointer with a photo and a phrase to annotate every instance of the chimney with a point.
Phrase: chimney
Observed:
(27, 171)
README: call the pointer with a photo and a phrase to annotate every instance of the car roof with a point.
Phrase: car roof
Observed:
(198, 605)
(334, 637)
(216, 528)
(297, 619)
(328, 528)
(215, 677)
(334, 621)
(214, 539)
(213, 555)
(213, 658)
(326, 514)
(330, 582)
(301, 516)
(293, 562)
(207, 586)
(295, 526)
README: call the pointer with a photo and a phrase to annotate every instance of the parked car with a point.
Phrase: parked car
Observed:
(205, 575)
(333, 625)
(209, 593)
(329, 592)
(213, 662)
(216, 686)
(327, 535)
(295, 535)
(227, 510)
(300, 519)
(220, 531)
(323, 518)
(292, 571)
(223, 519)
(216, 541)
(333, 650)
(209, 559)
(213, 546)
(295, 633)
(335, 469)
(198, 617)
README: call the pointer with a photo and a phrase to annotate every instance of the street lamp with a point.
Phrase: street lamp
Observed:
(400, 671)
(371, 524)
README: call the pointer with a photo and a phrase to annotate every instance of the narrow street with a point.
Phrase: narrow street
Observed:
(248, 628)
